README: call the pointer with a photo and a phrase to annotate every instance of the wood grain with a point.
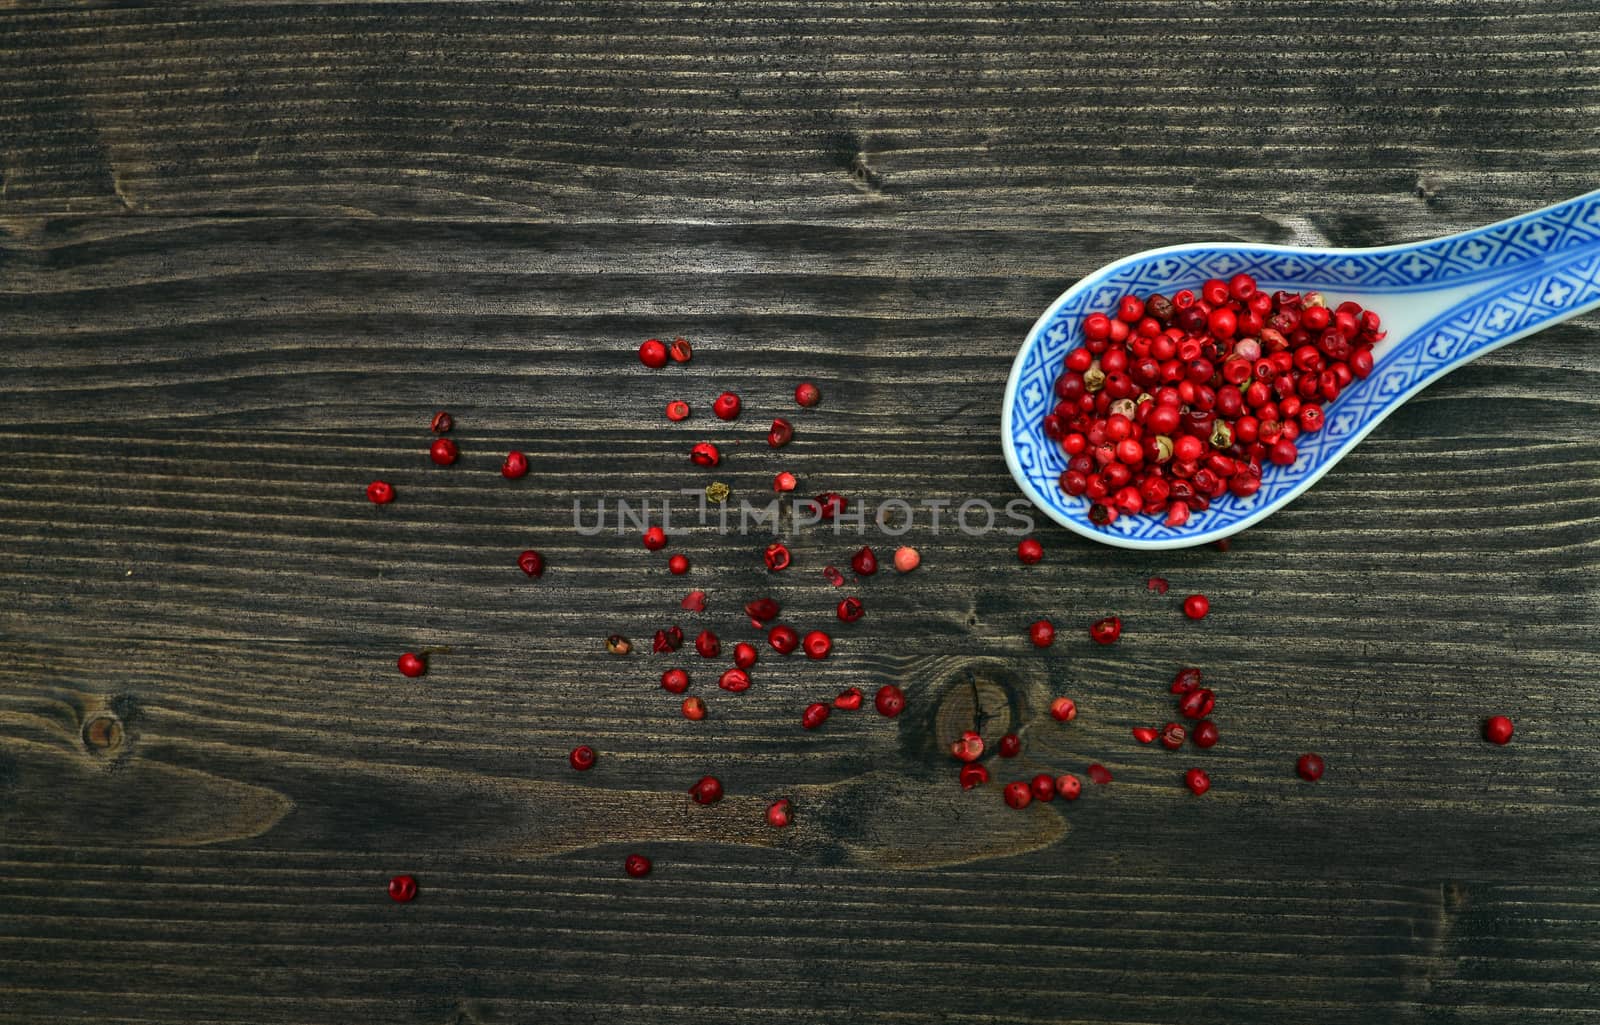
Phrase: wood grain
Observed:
(246, 250)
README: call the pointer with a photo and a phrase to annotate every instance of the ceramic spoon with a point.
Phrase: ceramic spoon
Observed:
(1443, 303)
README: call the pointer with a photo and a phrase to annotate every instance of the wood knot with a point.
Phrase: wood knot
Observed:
(103, 734)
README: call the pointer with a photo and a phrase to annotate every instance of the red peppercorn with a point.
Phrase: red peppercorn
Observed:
(1018, 795)
(411, 664)
(891, 701)
(781, 434)
(1029, 551)
(1106, 631)
(1099, 773)
(655, 539)
(778, 814)
(784, 482)
(762, 610)
(694, 601)
(851, 610)
(694, 709)
(707, 791)
(380, 492)
(1196, 606)
(675, 681)
(1197, 704)
(1172, 735)
(906, 559)
(784, 639)
(848, 700)
(636, 865)
(817, 645)
(1497, 729)
(735, 680)
(1063, 709)
(1310, 767)
(443, 452)
(777, 556)
(1144, 734)
(678, 565)
(1186, 680)
(442, 423)
(1197, 781)
(677, 410)
(815, 715)
(653, 353)
(807, 394)
(973, 775)
(830, 505)
(680, 350)
(531, 563)
(1043, 787)
(864, 562)
(707, 644)
(515, 466)
(969, 748)
(1010, 745)
(727, 406)
(1204, 734)
(668, 640)
(705, 454)
(1157, 585)
(1068, 787)
(402, 889)
(1042, 633)
(582, 758)
(744, 655)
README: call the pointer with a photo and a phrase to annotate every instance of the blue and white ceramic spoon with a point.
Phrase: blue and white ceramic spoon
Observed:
(1443, 302)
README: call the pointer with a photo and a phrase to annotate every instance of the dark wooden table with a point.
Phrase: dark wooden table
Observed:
(246, 251)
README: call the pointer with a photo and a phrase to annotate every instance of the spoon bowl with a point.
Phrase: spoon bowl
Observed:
(1443, 303)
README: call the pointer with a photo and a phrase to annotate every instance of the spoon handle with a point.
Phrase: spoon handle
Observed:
(1499, 283)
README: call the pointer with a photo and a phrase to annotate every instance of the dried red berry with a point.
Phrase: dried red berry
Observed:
(784, 482)
(694, 601)
(531, 563)
(694, 709)
(807, 394)
(906, 559)
(762, 610)
(1158, 585)
(1196, 606)
(778, 814)
(707, 791)
(667, 640)
(1042, 633)
(653, 353)
(443, 452)
(678, 565)
(582, 758)
(705, 454)
(707, 644)
(864, 562)
(1172, 735)
(1497, 729)
(851, 610)
(636, 865)
(515, 466)
(817, 645)
(675, 681)
(655, 539)
(1204, 734)
(1010, 745)
(1310, 767)
(726, 406)
(1197, 704)
(402, 889)
(744, 655)
(784, 639)
(830, 505)
(891, 700)
(781, 434)
(848, 700)
(677, 410)
(617, 644)
(1099, 773)
(1029, 551)
(1197, 781)
(1063, 709)
(1106, 631)
(973, 775)
(833, 576)
(411, 664)
(1144, 734)
(1186, 680)
(442, 423)
(1043, 787)
(969, 748)
(1018, 795)
(734, 680)
(815, 715)
(380, 492)
(1069, 787)
(680, 350)
(777, 556)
